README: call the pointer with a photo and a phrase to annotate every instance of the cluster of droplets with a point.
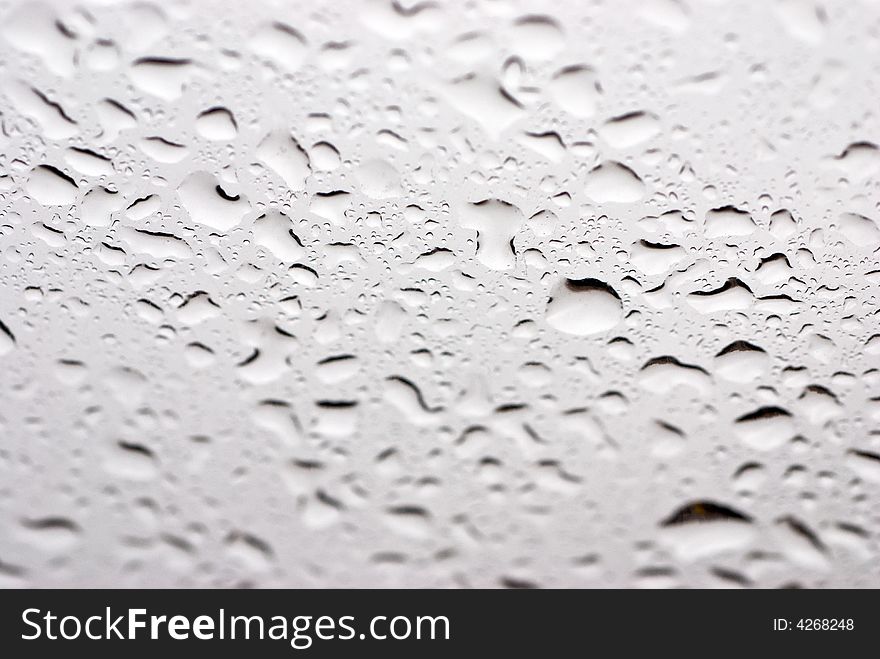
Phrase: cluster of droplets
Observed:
(479, 294)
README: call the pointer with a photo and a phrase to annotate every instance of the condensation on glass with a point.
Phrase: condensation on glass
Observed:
(440, 294)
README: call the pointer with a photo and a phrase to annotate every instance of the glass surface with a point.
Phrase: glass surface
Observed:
(484, 293)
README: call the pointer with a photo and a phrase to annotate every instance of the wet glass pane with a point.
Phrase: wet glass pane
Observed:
(472, 293)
